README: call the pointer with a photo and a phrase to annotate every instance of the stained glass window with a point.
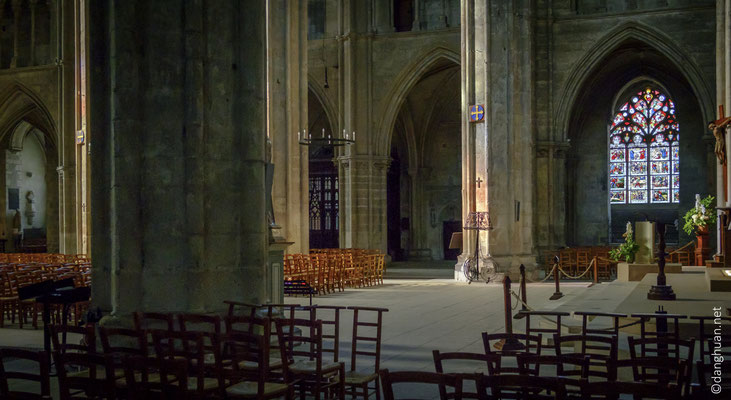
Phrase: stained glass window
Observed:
(644, 157)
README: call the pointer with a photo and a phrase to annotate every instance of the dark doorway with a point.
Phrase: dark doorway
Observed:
(393, 205)
(403, 15)
(450, 227)
(324, 224)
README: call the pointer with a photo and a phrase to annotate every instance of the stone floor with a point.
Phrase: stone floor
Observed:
(429, 314)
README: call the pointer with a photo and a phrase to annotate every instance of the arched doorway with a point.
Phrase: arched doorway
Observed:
(424, 179)
(324, 189)
(597, 208)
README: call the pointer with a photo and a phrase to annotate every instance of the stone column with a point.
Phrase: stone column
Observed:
(52, 23)
(383, 10)
(498, 154)
(2, 11)
(179, 162)
(287, 111)
(69, 208)
(416, 26)
(17, 7)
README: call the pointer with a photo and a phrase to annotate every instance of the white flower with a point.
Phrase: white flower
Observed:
(695, 218)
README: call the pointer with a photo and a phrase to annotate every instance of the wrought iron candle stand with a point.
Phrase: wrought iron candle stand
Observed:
(661, 291)
(477, 221)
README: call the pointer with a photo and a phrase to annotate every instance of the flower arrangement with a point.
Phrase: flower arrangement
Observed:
(700, 216)
(627, 250)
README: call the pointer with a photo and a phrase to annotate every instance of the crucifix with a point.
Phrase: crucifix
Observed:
(722, 259)
(479, 181)
(719, 129)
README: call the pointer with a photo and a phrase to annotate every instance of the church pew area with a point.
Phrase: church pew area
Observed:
(331, 270)
(18, 270)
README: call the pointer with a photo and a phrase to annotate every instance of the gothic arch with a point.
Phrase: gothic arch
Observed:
(21, 104)
(400, 88)
(586, 66)
(317, 89)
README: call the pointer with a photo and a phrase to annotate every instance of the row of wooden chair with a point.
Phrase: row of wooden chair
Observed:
(328, 272)
(15, 276)
(49, 258)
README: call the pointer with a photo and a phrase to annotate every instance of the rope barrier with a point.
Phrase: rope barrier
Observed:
(681, 249)
(564, 326)
(579, 276)
(548, 276)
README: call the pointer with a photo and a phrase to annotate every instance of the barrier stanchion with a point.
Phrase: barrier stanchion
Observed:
(523, 294)
(511, 343)
(557, 294)
(596, 271)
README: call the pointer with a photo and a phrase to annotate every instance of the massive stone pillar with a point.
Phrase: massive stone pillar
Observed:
(498, 154)
(178, 117)
(287, 115)
(68, 206)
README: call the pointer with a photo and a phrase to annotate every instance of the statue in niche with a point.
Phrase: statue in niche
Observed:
(30, 210)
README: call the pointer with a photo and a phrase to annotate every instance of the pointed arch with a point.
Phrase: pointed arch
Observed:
(400, 88)
(19, 103)
(634, 31)
(317, 89)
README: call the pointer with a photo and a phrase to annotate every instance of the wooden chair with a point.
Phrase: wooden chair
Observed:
(370, 322)
(149, 321)
(637, 390)
(550, 331)
(120, 343)
(390, 379)
(330, 317)
(655, 352)
(520, 386)
(253, 382)
(669, 373)
(303, 341)
(149, 378)
(96, 380)
(59, 338)
(8, 298)
(247, 308)
(601, 352)
(479, 362)
(567, 260)
(209, 326)
(188, 346)
(709, 348)
(263, 326)
(492, 343)
(41, 380)
(588, 316)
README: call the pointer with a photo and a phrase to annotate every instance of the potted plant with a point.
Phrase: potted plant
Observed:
(697, 220)
(627, 250)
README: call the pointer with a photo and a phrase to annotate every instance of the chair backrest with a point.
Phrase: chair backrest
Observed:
(303, 339)
(172, 383)
(670, 321)
(41, 380)
(248, 308)
(479, 363)
(602, 390)
(97, 383)
(664, 371)
(370, 332)
(177, 345)
(563, 366)
(602, 352)
(248, 355)
(661, 347)
(207, 325)
(531, 327)
(389, 379)
(676, 355)
(154, 320)
(520, 386)
(588, 316)
(60, 342)
(121, 342)
(492, 343)
(330, 317)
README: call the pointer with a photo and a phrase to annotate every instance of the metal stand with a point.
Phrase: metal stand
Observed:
(661, 291)
(511, 343)
(556, 277)
(523, 295)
